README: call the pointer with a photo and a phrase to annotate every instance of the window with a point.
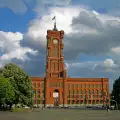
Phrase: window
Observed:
(97, 93)
(61, 74)
(38, 93)
(69, 94)
(92, 85)
(101, 92)
(88, 91)
(55, 52)
(38, 96)
(84, 85)
(77, 86)
(34, 84)
(73, 93)
(59, 84)
(77, 92)
(56, 66)
(68, 101)
(80, 91)
(38, 85)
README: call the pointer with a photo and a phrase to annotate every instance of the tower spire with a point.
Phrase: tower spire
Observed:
(54, 18)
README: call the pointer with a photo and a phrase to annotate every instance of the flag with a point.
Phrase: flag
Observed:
(53, 18)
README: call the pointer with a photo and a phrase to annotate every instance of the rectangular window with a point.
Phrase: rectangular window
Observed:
(38, 96)
(56, 66)
(72, 93)
(77, 92)
(76, 86)
(38, 93)
(69, 94)
(80, 91)
(55, 52)
(68, 101)
(34, 92)
(38, 85)
(61, 74)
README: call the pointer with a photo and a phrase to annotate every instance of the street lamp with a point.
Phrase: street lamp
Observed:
(115, 102)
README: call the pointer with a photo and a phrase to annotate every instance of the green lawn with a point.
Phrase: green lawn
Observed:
(61, 114)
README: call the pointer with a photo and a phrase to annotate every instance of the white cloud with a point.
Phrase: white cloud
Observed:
(109, 65)
(116, 50)
(11, 48)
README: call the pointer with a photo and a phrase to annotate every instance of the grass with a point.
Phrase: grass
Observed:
(20, 110)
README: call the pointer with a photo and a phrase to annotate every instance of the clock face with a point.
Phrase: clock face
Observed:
(55, 41)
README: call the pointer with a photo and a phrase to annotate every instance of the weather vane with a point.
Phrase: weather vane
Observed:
(54, 18)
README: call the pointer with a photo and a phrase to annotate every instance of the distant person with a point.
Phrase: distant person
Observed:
(108, 109)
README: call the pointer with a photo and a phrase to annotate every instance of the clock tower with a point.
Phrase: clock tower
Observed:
(55, 72)
(55, 57)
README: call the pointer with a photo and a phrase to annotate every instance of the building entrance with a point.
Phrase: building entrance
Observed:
(56, 97)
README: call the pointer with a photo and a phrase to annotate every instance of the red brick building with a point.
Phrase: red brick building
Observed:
(57, 89)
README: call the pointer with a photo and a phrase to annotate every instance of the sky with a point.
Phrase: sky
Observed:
(92, 35)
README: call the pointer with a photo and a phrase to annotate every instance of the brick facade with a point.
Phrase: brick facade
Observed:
(68, 91)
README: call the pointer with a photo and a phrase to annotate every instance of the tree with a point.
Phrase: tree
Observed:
(21, 82)
(6, 92)
(116, 91)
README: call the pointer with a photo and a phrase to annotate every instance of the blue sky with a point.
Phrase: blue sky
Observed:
(11, 21)
(23, 28)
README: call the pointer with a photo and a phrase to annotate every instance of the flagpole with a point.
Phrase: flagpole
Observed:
(54, 18)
